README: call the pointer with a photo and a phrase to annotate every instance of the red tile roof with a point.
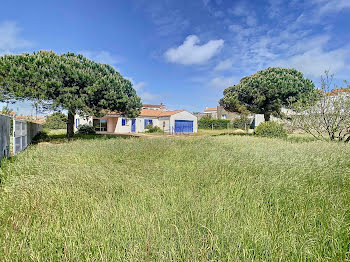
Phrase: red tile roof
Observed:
(154, 106)
(151, 112)
(158, 113)
(209, 109)
(170, 113)
(336, 91)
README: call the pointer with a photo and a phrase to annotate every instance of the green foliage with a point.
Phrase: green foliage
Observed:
(42, 136)
(153, 129)
(243, 122)
(56, 120)
(227, 198)
(86, 130)
(270, 129)
(67, 81)
(5, 110)
(208, 123)
(266, 91)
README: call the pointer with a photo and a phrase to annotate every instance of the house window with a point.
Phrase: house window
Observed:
(223, 116)
(148, 122)
(123, 121)
(100, 125)
(77, 122)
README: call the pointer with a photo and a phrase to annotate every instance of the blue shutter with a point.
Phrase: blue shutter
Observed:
(151, 122)
(145, 123)
(123, 121)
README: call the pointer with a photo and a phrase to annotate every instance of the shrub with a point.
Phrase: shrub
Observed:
(153, 129)
(207, 123)
(271, 129)
(242, 122)
(40, 137)
(56, 121)
(86, 129)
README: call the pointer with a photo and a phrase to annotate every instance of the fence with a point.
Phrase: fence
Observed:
(5, 141)
(23, 133)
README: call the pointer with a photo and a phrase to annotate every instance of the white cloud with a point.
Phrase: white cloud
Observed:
(315, 61)
(10, 39)
(190, 53)
(251, 20)
(224, 65)
(221, 83)
(329, 6)
(148, 97)
(145, 95)
(139, 86)
(168, 19)
(103, 57)
(273, 10)
(292, 44)
(248, 15)
(243, 32)
(206, 2)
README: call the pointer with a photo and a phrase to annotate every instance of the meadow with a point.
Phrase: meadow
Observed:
(222, 198)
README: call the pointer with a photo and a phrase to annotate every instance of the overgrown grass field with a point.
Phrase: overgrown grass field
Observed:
(224, 198)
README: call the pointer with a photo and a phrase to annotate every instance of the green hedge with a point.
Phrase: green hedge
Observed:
(206, 123)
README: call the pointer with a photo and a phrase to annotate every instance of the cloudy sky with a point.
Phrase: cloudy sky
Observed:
(184, 53)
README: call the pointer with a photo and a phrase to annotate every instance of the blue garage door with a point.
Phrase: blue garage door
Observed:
(183, 126)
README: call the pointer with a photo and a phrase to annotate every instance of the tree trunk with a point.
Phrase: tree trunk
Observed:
(70, 124)
(267, 116)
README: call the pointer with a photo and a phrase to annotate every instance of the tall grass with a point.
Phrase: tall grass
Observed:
(223, 198)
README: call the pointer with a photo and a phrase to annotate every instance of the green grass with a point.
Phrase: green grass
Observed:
(55, 132)
(224, 198)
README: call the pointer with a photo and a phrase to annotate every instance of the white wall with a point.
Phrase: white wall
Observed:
(140, 122)
(184, 115)
(123, 129)
(166, 120)
(258, 119)
(83, 120)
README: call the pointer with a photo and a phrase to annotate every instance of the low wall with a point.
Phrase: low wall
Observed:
(32, 130)
(23, 133)
(5, 129)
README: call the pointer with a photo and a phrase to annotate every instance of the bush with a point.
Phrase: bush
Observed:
(243, 122)
(153, 129)
(206, 123)
(40, 137)
(86, 130)
(271, 129)
(56, 121)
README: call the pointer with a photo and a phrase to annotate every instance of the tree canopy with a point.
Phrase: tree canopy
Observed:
(56, 120)
(67, 81)
(266, 91)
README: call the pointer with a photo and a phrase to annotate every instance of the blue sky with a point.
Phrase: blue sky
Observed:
(184, 53)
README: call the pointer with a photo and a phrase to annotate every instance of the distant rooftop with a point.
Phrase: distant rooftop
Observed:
(337, 91)
(152, 112)
(158, 113)
(210, 109)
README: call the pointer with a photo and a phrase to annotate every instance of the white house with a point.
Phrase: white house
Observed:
(176, 121)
